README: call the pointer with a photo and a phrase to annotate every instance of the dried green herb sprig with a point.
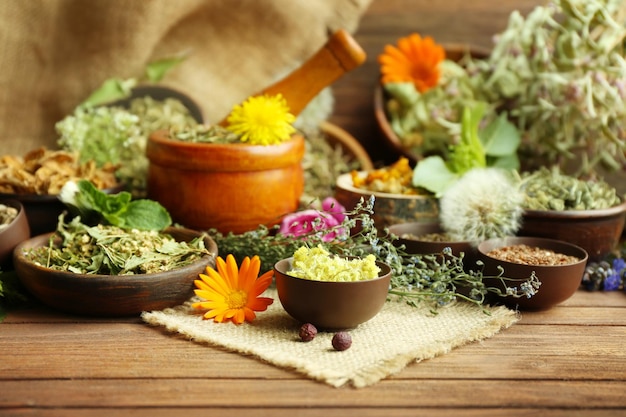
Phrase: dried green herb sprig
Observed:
(433, 279)
(110, 250)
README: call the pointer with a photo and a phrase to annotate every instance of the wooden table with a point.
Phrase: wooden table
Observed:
(568, 361)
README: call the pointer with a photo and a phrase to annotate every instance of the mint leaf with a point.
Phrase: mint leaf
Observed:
(95, 206)
(142, 215)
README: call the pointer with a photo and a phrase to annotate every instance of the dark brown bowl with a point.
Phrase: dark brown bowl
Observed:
(43, 210)
(596, 231)
(409, 236)
(454, 52)
(13, 234)
(111, 295)
(331, 305)
(558, 283)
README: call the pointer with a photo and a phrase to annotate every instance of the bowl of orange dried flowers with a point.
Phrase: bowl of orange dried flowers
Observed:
(36, 179)
(423, 89)
(396, 200)
(559, 266)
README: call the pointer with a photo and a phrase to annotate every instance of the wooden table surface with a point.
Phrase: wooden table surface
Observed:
(568, 361)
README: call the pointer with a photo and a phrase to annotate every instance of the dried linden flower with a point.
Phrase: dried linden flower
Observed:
(318, 264)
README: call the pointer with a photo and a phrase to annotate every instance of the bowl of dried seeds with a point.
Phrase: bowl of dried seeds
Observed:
(589, 214)
(558, 265)
(105, 271)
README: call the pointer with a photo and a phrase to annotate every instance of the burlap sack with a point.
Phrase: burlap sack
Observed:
(53, 53)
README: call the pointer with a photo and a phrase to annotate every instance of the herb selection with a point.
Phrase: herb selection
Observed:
(110, 250)
(433, 279)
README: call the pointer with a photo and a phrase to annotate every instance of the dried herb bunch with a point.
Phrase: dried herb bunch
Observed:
(111, 250)
(561, 74)
(434, 279)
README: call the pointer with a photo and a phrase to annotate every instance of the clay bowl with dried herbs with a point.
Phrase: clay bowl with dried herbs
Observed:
(415, 144)
(36, 178)
(558, 265)
(14, 229)
(586, 213)
(331, 305)
(396, 201)
(109, 295)
(430, 238)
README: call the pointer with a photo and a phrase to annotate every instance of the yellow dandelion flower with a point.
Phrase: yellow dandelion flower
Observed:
(262, 120)
(232, 294)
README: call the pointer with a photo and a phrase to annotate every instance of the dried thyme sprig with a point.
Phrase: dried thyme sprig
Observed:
(433, 279)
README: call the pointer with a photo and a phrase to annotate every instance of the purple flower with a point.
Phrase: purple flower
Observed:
(305, 222)
(614, 278)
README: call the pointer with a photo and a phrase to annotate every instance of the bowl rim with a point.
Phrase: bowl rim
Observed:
(40, 240)
(385, 273)
(579, 214)
(344, 181)
(518, 240)
(48, 198)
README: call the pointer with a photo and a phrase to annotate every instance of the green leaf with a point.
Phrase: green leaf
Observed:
(433, 174)
(500, 137)
(507, 162)
(155, 71)
(469, 153)
(142, 215)
(111, 90)
(95, 206)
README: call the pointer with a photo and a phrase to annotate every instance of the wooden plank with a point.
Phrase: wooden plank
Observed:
(78, 350)
(200, 392)
(312, 412)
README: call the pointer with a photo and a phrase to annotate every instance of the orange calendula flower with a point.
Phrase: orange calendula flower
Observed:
(415, 60)
(232, 294)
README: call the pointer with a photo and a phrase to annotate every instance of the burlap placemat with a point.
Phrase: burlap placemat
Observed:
(398, 335)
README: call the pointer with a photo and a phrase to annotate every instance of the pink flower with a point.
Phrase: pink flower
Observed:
(308, 221)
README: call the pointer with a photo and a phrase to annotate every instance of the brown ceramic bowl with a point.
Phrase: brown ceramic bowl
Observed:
(331, 305)
(454, 52)
(12, 234)
(388, 208)
(409, 236)
(43, 210)
(111, 295)
(558, 283)
(596, 231)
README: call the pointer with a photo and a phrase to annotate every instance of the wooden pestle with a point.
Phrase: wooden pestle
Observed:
(340, 54)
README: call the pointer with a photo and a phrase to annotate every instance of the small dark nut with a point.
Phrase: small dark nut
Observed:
(342, 341)
(307, 332)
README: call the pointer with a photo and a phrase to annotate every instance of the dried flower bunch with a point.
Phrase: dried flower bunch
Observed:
(561, 73)
(559, 76)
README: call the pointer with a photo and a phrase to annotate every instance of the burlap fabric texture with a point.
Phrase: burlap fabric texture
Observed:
(399, 335)
(56, 52)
